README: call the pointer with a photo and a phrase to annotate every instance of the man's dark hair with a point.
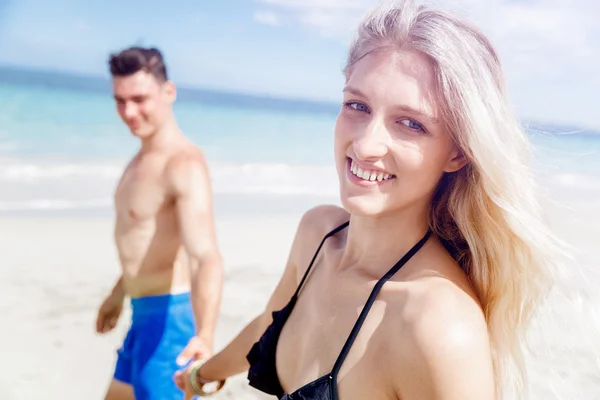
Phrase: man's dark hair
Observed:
(133, 59)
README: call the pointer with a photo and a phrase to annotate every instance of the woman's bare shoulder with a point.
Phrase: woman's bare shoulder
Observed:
(314, 225)
(317, 222)
(437, 301)
(440, 347)
(322, 219)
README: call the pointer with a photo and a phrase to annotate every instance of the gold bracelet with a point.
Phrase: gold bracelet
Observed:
(197, 383)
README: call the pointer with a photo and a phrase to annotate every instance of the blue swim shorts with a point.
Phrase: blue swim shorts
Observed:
(161, 327)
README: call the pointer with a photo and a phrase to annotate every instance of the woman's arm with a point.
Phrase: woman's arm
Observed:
(311, 229)
(232, 359)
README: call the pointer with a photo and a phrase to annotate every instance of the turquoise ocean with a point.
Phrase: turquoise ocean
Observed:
(62, 146)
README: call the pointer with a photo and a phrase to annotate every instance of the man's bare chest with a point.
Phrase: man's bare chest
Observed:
(141, 194)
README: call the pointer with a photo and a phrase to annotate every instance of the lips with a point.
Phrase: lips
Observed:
(134, 124)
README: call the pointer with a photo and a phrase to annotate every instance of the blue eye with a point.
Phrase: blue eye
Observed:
(356, 106)
(409, 123)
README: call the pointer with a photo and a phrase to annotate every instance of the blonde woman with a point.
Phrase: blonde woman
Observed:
(421, 287)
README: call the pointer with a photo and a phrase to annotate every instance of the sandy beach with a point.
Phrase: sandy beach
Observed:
(57, 268)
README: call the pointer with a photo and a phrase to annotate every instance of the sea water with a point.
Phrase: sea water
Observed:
(65, 148)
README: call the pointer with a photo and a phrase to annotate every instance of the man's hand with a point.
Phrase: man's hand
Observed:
(195, 350)
(109, 313)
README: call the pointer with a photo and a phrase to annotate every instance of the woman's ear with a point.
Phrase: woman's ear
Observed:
(457, 161)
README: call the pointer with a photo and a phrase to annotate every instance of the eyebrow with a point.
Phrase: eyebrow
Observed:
(355, 91)
(138, 96)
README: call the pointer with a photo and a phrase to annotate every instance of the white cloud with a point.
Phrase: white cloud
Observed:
(267, 17)
(322, 4)
(550, 28)
(332, 18)
(551, 34)
(541, 43)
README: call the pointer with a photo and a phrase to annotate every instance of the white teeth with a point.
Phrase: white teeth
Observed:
(368, 175)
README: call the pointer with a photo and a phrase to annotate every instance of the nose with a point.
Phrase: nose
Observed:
(372, 142)
(129, 110)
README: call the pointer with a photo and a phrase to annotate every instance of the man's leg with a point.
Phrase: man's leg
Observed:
(118, 390)
(120, 387)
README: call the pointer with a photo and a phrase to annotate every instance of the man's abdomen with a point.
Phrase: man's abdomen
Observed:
(158, 267)
(151, 253)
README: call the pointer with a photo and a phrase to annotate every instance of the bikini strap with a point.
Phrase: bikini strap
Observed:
(367, 307)
(330, 234)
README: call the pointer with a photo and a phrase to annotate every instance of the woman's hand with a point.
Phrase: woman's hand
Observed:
(192, 383)
(182, 380)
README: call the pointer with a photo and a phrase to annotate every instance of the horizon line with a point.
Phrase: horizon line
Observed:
(191, 93)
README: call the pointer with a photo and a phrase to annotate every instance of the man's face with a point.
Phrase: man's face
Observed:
(143, 102)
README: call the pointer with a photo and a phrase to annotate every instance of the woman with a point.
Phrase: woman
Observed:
(421, 287)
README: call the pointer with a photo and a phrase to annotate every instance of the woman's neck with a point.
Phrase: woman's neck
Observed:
(375, 244)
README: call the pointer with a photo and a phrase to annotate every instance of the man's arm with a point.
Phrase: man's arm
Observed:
(194, 207)
(118, 290)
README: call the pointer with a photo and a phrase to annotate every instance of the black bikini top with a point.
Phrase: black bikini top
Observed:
(262, 357)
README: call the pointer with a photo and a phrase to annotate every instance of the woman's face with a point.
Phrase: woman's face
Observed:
(391, 145)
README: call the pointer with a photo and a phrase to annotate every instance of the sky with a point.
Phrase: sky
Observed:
(296, 48)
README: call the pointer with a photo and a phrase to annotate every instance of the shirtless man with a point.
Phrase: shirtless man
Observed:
(165, 236)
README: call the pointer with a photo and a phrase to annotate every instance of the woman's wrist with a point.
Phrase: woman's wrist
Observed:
(198, 380)
(206, 373)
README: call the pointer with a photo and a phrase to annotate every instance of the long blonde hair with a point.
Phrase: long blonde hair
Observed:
(487, 214)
